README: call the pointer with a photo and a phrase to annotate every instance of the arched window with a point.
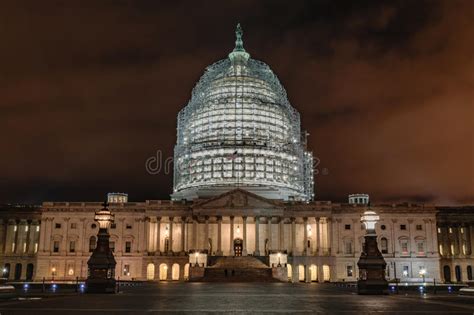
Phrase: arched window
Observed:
(18, 271)
(457, 271)
(469, 272)
(447, 273)
(150, 271)
(29, 272)
(92, 244)
(384, 245)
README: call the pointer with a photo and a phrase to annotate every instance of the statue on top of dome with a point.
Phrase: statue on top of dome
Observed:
(239, 52)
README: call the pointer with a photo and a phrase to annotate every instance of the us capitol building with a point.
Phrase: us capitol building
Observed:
(242, 206)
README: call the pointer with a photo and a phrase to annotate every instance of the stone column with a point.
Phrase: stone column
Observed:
(64, 241)
(158, 235)
(171, 234)
(148, 244)
(195, 237)
(244, 234)
(471, 234)
(429, 241)
(219, 236)
(307, 274)
(231, 236)
(257, 237)
(206, 235)
(461, 240)
(318, 238)
(293, 237)
(183, 234)
(329, 236)
(269, 234)
(281, 233)
(42, 244)
(305, 240)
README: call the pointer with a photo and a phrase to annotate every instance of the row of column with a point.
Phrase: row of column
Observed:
(156, 247)
(457, 240)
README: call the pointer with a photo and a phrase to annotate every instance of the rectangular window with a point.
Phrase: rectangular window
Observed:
(126, 270)
(113, 225)
(404, 246)
(419, 227)
(112, 246)
(348, 247)
(56, 246)
(128, 247)
(72, 246)
(420, 247)
(57, 225)
(347, 226)
(128, 226)
(349, 271)
(405, 271)
(73, 226)
(403, 227)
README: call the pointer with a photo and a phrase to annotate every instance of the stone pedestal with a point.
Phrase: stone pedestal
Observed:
(371, 269)
(101, 264)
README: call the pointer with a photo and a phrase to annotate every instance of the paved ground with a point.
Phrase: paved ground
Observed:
(241, 298)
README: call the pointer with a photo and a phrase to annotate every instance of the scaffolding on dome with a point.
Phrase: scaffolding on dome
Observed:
(239, 130)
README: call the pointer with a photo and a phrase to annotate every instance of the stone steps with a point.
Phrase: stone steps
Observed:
(238, 269)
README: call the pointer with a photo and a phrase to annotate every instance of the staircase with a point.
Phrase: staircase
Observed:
(238, 269)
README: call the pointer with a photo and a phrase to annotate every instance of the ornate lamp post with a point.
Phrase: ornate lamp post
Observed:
(371, 262)
(101, 275)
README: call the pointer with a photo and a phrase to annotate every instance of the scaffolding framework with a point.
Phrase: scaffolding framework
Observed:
(239, 130)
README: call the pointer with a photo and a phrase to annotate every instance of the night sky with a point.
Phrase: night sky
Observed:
(90, 89)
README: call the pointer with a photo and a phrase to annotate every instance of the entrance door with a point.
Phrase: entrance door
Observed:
(238, 247)
(447, 274)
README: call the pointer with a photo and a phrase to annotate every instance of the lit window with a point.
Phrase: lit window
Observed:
(126, 270)
(70, 272)
(349, 271)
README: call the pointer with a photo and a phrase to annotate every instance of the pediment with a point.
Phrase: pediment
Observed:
(237, 199)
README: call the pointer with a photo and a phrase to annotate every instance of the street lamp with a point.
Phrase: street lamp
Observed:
(371, 262)
(279, 255)
(101, 275)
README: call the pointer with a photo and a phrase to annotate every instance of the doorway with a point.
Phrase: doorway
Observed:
(447, 273)
(238, 247)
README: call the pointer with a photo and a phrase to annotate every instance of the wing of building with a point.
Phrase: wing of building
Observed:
(243, 188)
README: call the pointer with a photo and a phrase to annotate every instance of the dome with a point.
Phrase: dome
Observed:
(239, 130)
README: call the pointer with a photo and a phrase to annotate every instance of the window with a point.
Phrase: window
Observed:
(384, 245)
(73, 226)
(93, 226)
(405, 271)
(128, 247)
(56, 246)
(128, 226)
(92, 244)
(420, 247)
(347, 226)
(403, 227)
(112, 246)
(113, 225)
(349, 270)
(57, 225)
(419, 227)
(72, 246)
(383, 227)
(348, 247)
(126, 270)
(404, 246)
